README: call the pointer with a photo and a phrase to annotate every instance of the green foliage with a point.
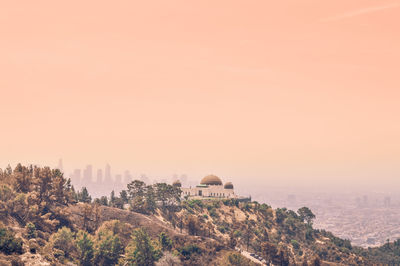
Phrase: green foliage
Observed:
(235, 259)
(237, 234)
(187, 251)
(150, 199)
(231, 202)
(8, 243)
(63, 240)
(213, 212)
(195, 203)
(167, 194)
(6, 193)
(387, 254)
(165, 241)
(142, 198)
(31, 230)
(124, 196)
(104, 201)
(341, 243)
(85, 248)
(280, 215)
(141, 251)
(83, 196)
(295, 244)
(223, 229)
(309, 233)
(306, 215)
(108, 248)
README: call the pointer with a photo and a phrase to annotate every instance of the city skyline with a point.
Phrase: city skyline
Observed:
(272, 92)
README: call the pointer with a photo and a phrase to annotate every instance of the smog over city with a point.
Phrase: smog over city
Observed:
(211, 132)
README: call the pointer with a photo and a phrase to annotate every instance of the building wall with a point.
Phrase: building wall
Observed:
(210, 191)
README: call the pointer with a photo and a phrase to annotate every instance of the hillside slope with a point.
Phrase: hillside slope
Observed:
(44, 221)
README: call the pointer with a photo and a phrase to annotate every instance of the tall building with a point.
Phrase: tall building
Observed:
(107, 173)
(99, 177)
(88, 174)
(210, 187)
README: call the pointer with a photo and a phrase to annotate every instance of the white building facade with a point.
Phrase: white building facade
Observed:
(210, 187)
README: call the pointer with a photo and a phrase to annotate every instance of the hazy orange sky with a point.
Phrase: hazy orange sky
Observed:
(265, 91)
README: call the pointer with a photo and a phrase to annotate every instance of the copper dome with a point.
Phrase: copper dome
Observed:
(177, 183)
(228, 185)
(211, 180)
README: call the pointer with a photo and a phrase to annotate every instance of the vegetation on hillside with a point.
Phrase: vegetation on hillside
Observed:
(42, 214)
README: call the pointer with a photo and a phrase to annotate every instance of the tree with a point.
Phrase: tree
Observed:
(22, 179)
(141, 250)
(316, 261)
(8, 243)
(136, 188)
(85, 249)
(104, 201)
(124, 196)
(247, 234)
(269, 251)
(83, 196)
(63, 240)
(167, 194)
(150, 199)
(112, 198)
(306, 215)
(193, 225)
(108, 248)
(165, 241)
(31, 230)
(136, 192)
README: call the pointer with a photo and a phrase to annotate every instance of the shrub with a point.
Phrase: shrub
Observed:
(187, 251)
(63, 240)
(8, 243)
(165, 241)
(213, 212)
(85, 249)
(295, 244)
(223, 229)
(141, 250)
(108, 248)
(31, 230)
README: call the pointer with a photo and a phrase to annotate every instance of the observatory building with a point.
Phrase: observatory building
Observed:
(210, 186)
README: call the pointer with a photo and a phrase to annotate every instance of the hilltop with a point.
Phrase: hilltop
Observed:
(44, 221)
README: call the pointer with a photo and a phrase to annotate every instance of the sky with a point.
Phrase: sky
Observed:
(257, 92)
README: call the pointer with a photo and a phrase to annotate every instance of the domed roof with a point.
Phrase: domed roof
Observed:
(177, 183)
(228, 185)
(211, 180)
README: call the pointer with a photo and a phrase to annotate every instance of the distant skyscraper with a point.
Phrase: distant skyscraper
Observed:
(99, 177)
(107, 174)
(88, 174)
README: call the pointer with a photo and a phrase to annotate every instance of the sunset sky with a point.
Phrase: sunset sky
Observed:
(260, 92)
